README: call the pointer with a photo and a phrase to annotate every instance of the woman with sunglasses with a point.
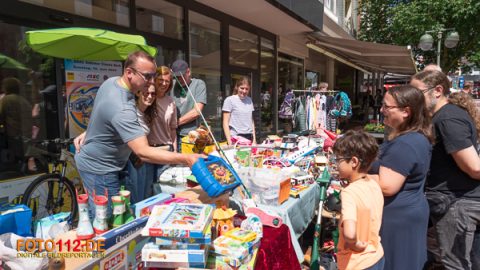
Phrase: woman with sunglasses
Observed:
(137, 171)
(402, 168)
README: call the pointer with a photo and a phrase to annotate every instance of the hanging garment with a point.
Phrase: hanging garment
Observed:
(286, 109)
(322, 112)
(312, 114)
(343, 106)
(331, 123)
(300, 114)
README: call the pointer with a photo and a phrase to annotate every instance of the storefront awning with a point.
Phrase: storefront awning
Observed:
(367, 55)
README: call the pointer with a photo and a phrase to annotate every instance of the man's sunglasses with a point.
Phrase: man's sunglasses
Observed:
(145, 76)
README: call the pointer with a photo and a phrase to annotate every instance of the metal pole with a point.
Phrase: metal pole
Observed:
(439, 46)
(220, 150)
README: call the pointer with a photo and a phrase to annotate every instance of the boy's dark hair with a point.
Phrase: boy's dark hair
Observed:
(357, 144)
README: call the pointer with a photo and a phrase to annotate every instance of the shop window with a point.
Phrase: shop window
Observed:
(290, 76)
(267, 80)
(243, 47)
(28, 103)
(331, 5)
(160, 17)
(112, 11)
(166, 56)
(312, 79)
(205, 64)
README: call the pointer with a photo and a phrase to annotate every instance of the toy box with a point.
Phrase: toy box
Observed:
(267, 186)
(220, 262)
(241, 235)
(114, 236)
(143, 208)
(300, 153)
(302, 180)
(166, 257)
(126, 254)
(179, 220)
(167, 241)
(176, 200)
(233, 248)
(215, 175)
(296, 190)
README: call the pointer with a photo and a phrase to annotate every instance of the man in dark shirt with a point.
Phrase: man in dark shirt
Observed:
(16, 119)
(454, 173)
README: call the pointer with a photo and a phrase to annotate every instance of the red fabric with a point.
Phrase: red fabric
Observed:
(276, 250)
(328, 143)
(330, 134)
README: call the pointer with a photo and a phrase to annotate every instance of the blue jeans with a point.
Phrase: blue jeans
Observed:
(378, 265)
(456, 234)
(139, 182)
(100, 184)
(155, 170)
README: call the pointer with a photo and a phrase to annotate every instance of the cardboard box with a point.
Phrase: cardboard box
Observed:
(164, 257)
(234, 249)
(117, 235)
(205, 240)
(126, 254)
(219, 262)
(198, 195)
(144, 208)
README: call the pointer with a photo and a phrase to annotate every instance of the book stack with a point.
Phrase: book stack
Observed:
(236, 247)
(182, 234)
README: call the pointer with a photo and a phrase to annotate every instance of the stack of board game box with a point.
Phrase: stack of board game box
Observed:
(236, 246)
(182, 236)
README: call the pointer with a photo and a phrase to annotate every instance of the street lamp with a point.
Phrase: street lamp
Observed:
(426, 41)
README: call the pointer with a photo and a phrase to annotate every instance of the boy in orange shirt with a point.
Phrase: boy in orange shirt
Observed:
(359, 244)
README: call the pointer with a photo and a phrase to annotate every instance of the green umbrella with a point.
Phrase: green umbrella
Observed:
(86, 43)
(8, 62)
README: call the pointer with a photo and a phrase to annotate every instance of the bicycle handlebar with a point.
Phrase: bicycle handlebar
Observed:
(57, 141)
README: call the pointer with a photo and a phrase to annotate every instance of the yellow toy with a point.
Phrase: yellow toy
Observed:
(223, 219)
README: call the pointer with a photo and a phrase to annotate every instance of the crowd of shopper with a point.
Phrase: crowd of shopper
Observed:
(138, 121)
(419, 202)
(428, 171)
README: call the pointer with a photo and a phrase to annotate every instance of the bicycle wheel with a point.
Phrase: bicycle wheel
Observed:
(50, 194)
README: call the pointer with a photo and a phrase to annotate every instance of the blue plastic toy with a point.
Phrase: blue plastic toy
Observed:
(215, 175)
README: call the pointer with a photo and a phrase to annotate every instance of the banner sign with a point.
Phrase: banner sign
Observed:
(83, 78)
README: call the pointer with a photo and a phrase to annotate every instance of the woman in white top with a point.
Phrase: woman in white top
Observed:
(237, 113)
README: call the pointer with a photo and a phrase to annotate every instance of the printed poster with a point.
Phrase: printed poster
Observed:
(83, 78)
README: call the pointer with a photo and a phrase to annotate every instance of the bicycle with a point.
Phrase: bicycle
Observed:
(53, 192)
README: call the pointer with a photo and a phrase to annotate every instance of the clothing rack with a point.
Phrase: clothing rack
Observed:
(315, 91)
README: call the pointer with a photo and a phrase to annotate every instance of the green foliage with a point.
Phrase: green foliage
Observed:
(31, 58)
(404, 22)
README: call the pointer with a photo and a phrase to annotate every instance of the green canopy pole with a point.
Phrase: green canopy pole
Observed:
(324, 182)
